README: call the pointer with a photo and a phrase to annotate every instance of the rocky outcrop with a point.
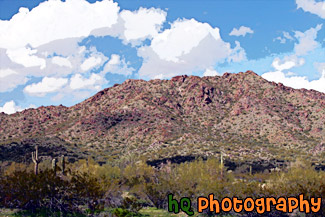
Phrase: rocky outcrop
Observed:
(242, 114)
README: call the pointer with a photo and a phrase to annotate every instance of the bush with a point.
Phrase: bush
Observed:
(46, 191)
(127, 189)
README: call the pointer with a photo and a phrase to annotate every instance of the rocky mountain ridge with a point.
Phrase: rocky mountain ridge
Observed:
(241, 115)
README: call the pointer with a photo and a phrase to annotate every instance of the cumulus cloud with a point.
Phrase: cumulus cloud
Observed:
(48, 46)
(141, 24)
(59, 20)
(286, 65)
(306, 44)
(186, 47)
(116, 65)
(9, 79)
(77, 59)
(90, 63)
(319, 66)
(11, 107)
(61, 61)
(26, 57)
(210, 72)
(81, 60)
(237, 54)
(288, 62)
(279, 38)
(47, 85)
(286, 36)
(290, 79)
(242, 31)
(183, 36)
(62, 47)
(296, 81)
(306, 40)
(312, 6)
(7, 72)
(135, 26)
(93, 82)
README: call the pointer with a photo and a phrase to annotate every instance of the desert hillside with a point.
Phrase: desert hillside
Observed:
(241, 115)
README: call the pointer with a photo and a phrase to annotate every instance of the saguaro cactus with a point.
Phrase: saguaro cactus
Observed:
(62, 164)
(54, 165)
(35, 159)
(221, 160)
(221, 164)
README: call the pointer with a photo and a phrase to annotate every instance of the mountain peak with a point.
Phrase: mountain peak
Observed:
(186, 113)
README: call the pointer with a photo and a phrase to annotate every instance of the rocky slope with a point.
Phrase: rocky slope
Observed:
(242, 115)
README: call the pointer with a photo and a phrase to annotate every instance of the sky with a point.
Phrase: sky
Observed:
(62, 52)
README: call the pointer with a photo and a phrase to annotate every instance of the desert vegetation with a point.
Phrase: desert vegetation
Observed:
(131, 187)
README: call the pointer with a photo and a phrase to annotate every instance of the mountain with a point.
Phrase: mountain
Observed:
(241, 115)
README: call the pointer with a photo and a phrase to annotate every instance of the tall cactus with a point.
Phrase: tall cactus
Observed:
(54, 165)
(221, 160)
(36, 160)
(221, 164)
(62, 164)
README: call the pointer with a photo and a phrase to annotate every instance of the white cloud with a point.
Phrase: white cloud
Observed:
(34, 43)
(56, 66)
(242, 31)
(285, 65)
(288, 62)
(238, 53)
(53, 20)
(282, 40)
(210, 72)
(312, 6)
(62, 47)
(26, 57)
(61, 61)
(115, 60)
(135, 26)
(9, 79)
(30, 39)
(80, 60)
(187, 46)
(93, 82)
(7, 72)
(117, 66)
(306, 44)
(289, 78)
(306, 40)
(320, 67)
(160, 76)
(141, 24)
(296, 81)
(11, 107)
(48, 47)
(183, 36)
(286, 36)
(90, 63)
(47, 85)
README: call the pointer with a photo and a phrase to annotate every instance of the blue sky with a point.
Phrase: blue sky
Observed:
(62, 52)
